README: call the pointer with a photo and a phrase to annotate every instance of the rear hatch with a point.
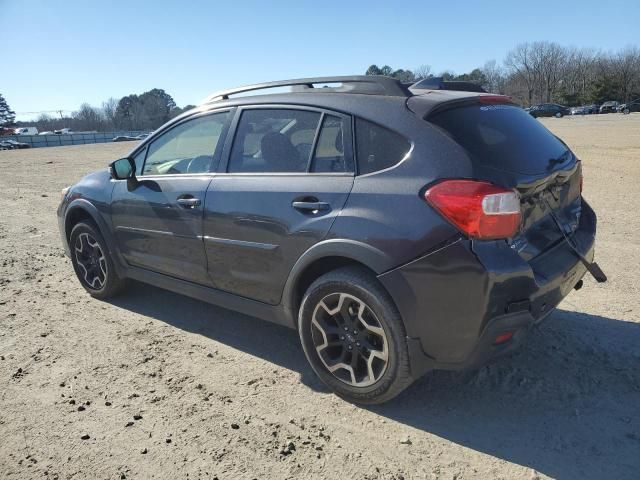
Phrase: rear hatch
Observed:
(511, 149)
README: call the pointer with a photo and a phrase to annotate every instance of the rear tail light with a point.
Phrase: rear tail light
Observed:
(503, 338)
(480, 209)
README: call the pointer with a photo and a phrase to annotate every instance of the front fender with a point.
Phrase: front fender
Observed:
(104, 226)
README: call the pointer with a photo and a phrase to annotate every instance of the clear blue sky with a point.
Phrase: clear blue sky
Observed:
(58, 54)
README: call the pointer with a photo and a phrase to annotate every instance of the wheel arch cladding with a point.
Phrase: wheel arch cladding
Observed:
(74, 216)
(323, 258)
(82, 210)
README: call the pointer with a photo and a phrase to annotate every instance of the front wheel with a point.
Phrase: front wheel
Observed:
(92, 262)
(558, 115)
(353, 336)
(626, 111)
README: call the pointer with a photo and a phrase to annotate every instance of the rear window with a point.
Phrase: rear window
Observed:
(503, 137)
(378, 148)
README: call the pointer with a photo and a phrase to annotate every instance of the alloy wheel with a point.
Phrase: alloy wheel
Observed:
(350, 340)
(91, 261)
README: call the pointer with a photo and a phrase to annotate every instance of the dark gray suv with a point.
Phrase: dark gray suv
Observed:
(398, 229)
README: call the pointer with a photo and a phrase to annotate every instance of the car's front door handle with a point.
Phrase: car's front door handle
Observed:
(189, 202)
(310, 206)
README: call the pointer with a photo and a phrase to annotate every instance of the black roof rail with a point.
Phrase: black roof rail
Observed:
(365, 84)
(437, 83)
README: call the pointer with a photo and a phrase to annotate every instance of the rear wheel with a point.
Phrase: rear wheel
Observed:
(353, 336)
(558, 115)
(626, 111)
(92, 262)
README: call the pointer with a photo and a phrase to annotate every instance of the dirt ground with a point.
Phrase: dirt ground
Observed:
(162, 386)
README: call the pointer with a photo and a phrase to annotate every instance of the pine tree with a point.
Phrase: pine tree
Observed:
(7, 116)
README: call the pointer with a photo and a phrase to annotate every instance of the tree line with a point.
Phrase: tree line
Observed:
(146, 111)
(539, 72)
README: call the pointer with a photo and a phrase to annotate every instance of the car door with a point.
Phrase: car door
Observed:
(157, 217)
(287, 176)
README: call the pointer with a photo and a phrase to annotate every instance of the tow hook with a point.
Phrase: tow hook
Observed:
(578, 285)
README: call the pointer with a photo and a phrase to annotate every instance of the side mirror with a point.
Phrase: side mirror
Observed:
(123, 169)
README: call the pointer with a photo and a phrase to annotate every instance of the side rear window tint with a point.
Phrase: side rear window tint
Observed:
(378, 148)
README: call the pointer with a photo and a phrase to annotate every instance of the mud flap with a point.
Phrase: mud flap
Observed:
(592, 267)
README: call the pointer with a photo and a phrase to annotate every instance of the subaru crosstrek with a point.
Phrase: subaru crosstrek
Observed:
(399, 229)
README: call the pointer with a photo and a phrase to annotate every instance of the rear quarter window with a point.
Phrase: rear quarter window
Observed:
(377, 147)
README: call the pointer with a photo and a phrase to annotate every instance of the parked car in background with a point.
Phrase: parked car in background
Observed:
(592, 109)
(609, 107)
(26, 131)
(579, 110)
(63, 131)
(13, 145)
(271, 205)
(124, 138)
(633, 106)
(549, 110)
(48, 132)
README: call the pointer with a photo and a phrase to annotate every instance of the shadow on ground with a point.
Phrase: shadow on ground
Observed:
(567, 405)
(265, 340)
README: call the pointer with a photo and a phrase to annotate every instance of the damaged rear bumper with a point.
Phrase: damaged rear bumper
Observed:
(456, 301)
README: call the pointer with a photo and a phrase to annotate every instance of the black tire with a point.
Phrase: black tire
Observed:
(558, 115)
(357, 286)
(97, 276)
(626, 111)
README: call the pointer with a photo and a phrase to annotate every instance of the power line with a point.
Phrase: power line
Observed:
(43, 111)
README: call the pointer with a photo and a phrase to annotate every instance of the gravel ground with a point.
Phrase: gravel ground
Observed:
(154, 384)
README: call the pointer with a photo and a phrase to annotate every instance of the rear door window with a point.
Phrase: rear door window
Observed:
(377, 147)
(273, 140)
(504, 137)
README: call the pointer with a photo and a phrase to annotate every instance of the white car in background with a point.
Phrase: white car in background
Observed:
(26, 131)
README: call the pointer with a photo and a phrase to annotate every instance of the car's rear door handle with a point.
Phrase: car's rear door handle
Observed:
(311, 206)
(189, 202)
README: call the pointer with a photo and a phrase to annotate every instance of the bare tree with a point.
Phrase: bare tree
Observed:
(494, 77)
(521, 63)
(87, 118)
(551, 59)
(109, 112)
(626, 70)
(422, 72)
(578, 74)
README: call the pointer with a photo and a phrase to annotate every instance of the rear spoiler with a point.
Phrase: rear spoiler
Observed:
(437, 83)
(430, 104)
